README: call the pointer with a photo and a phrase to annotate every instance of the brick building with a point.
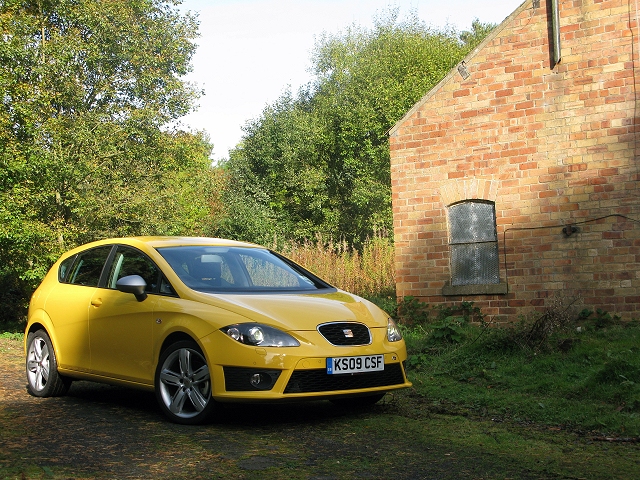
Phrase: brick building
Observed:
(515, 179)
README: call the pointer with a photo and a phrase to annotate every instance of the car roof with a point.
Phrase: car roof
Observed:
(168, 241)
(165, 241)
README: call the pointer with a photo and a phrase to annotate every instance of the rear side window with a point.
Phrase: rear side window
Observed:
(87, 268)
(63, 270)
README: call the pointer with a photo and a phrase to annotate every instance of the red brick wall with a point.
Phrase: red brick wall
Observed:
(551, 145)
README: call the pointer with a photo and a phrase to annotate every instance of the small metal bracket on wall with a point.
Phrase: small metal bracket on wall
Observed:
(569, 230)
(462, 69)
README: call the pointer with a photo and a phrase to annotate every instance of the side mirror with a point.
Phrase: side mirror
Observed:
(133, 284)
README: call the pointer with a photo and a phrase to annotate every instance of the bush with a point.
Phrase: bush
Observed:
(552, 330)
(413, 312)
(432, 332)
(14, 297)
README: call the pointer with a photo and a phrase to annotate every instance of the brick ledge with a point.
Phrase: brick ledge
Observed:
(484, 289)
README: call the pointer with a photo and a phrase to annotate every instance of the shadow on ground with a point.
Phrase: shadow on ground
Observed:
(100, 431)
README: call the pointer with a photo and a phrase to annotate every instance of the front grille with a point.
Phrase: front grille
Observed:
(303, 381)
(345, 333)
(238, 379)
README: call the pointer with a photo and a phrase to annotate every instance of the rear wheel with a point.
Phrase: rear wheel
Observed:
(358, 402)
(43, 379)
(183, 384)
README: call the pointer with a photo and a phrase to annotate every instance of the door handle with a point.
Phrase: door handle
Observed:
(96, 302)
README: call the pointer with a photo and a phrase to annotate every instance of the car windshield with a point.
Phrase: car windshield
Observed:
(237, 269)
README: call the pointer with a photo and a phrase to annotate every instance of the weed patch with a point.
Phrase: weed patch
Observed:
(575, 371)
(12, 335)
(368, 272)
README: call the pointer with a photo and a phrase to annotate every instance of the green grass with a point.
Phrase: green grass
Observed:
(583, 381)
(12, 335)
(478, 410)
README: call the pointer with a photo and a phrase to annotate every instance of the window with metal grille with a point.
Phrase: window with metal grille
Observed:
(473, 243)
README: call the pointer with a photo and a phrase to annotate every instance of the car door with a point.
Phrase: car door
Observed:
(68, 307)
(120, 326)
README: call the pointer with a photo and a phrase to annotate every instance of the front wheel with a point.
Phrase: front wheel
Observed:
(43, 379)
(183, 384)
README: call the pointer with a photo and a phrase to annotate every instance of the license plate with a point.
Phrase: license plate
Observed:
(364, 363)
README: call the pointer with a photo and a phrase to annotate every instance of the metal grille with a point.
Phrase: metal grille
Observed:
(472, 222)
(345, 333)
(474, 264)
(303, 381)
(474, 244)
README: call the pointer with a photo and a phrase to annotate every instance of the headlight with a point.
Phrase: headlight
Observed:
(393, 332)
(257, 334)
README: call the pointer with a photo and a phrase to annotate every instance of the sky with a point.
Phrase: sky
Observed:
(251, 51)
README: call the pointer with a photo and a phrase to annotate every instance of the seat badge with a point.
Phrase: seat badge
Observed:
(347, 333)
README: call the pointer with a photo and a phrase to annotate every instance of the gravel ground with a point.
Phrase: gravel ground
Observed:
(100, 431)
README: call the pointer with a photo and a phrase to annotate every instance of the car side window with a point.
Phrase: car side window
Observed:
(63, 270)
(166, 288)
(129, 261)
(87, 268)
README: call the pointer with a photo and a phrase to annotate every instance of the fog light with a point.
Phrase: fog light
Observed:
(260, 381)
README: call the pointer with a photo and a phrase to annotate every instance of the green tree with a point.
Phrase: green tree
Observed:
(319, 162)
(282, 177)
(471, 38)
(86, 90)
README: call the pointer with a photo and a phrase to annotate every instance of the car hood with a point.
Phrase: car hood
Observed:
(300, 311)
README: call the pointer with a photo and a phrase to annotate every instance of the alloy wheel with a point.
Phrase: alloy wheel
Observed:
(184, 383)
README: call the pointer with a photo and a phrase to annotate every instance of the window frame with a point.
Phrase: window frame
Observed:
(487, 236)
(68, 265)
(71, 268)
(160, 276)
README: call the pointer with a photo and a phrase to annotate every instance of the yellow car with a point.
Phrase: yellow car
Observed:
(203, 320)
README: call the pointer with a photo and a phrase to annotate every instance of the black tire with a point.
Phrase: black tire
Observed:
(183, 384)
(358, 402)
(43, 379)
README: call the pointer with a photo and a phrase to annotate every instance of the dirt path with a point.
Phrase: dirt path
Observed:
(99, 431)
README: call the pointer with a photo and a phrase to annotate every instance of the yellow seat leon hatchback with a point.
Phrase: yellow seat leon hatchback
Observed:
(202, 321)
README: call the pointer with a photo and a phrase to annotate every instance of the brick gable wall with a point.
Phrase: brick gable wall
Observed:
(551, 145)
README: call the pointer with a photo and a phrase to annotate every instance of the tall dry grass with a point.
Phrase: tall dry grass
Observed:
(369, 273)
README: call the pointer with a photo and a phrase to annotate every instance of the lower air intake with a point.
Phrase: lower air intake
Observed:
(304, 381)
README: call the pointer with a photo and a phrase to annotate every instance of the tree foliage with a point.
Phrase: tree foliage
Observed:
(86, 89)
(472, 38)
(318, 162)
